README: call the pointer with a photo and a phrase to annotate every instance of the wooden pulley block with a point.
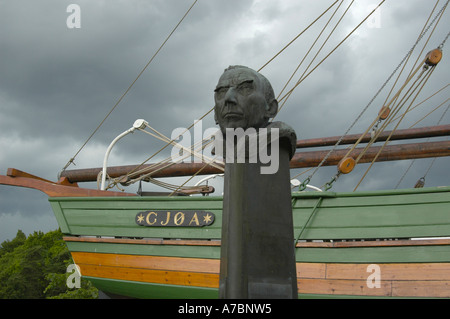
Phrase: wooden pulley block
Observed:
(433, 57)
(384, 113)
(420, 183)
(346, 165)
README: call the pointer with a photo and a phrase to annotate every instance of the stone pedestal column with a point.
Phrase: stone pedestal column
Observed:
(257, 253)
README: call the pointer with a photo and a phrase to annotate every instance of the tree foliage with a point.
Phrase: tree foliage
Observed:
(35, 268)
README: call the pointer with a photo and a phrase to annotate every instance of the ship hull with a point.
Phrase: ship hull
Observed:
(374, 244)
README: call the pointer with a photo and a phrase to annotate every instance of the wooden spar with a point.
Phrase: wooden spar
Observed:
(62, 188)
(423, 132)
(389, 153)
(186, 169)
(300, 160)
(174, 170)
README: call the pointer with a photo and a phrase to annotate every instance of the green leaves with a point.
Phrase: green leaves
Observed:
(35, 268)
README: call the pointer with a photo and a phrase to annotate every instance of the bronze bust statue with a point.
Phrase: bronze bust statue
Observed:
(245, 99)
(257, 254)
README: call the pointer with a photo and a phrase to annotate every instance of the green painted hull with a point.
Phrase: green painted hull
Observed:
(135, 289)
(327, 218)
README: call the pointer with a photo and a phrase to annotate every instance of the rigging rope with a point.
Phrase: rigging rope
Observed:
(290, 92)
(308, 179)
(422, 179)
(424, 80)
(331, 52)
(169, 143)
(437, 107)
(418, 56)
(189, 179)
(161, 165)
(296, 37)
(394, 111)
(417, 105)
(71, 161)
(399, 106)
(285, 97)
(443, 42)
(208, 112)
(191, 150)
(310, 48)
(317, 53)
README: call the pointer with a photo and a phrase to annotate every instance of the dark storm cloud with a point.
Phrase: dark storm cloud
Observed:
(57, 84)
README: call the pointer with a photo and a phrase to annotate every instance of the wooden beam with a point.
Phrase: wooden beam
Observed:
(300, 160)
(173, 170)
(217, 243)
(55, 189)
(423, 132)
(389, 153)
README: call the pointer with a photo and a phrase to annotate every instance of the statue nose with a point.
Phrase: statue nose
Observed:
(230, 96)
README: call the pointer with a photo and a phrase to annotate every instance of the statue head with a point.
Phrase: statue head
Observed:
(243, 98)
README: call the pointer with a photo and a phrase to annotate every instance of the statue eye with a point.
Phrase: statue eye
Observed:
(221, 91)
(245, 88)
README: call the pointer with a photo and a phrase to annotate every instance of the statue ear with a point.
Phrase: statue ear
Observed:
(272, 109)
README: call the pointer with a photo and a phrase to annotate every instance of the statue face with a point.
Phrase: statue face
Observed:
(240, 100)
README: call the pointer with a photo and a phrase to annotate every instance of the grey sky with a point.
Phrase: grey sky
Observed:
(57, 84)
